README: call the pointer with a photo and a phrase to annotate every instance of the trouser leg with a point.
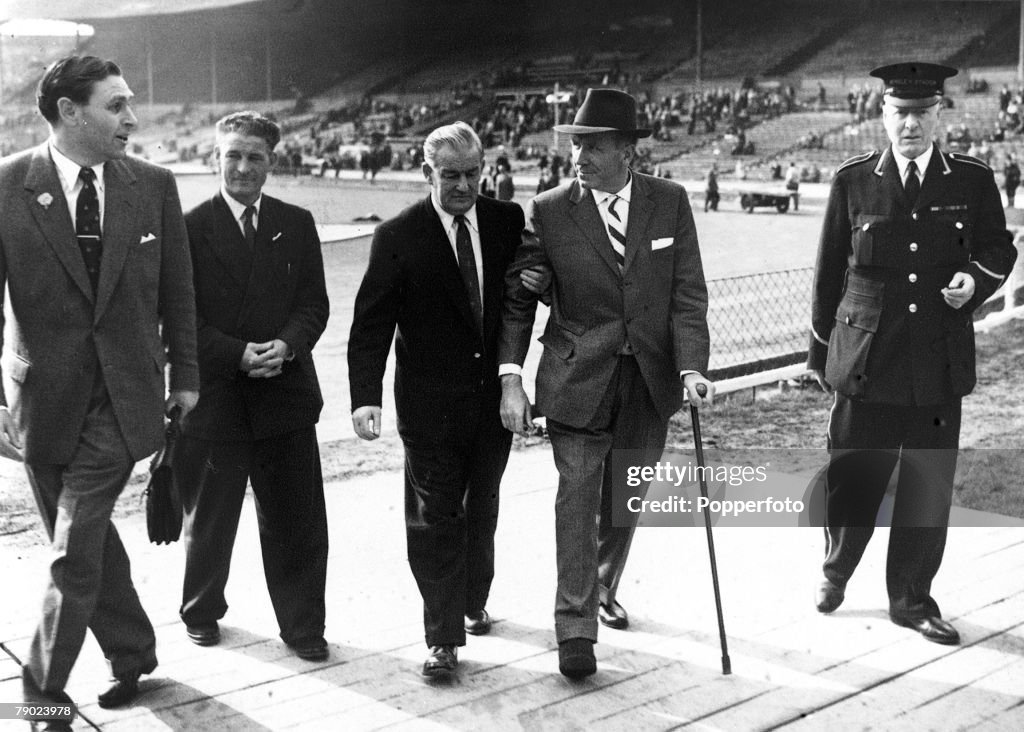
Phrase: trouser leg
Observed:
(212, 477)
(90, 582)
(288, 483)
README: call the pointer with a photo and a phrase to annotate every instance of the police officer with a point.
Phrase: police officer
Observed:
(914, 239)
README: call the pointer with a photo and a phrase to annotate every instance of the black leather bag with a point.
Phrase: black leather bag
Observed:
(163, 501)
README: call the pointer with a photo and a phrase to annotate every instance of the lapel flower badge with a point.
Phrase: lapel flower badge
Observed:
(45, 199)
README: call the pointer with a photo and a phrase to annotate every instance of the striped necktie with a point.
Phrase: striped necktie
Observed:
(616, 232)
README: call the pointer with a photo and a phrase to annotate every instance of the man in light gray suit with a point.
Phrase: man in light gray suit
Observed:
(94, 253)
(626, 334)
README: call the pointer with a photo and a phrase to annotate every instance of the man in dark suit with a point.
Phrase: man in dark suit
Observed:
(902, 264)
(261, 306)
(627, 333)
(436, 272)
(94, 255)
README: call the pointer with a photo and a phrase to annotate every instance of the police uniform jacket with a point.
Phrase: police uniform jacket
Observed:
(880, 327)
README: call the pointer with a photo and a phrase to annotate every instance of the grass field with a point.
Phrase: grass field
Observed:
(732, 242)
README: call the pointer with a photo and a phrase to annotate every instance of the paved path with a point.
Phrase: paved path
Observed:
(791, 667)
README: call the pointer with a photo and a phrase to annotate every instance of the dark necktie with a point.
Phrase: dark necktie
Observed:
(467, 268)
(617, 233)
(912, 186)
(247, 228)
(87, 226)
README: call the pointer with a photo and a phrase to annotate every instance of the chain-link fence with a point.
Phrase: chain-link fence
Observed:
(759, 322)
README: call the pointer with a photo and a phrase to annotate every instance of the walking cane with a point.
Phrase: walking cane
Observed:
(726, 663)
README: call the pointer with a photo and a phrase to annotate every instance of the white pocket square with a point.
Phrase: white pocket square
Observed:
(147, 237)
(657, 244)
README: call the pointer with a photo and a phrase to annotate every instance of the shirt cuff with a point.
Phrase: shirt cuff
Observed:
(510, 368)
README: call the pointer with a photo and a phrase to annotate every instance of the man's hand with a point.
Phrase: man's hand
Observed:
(366, 422)
(183, 398)
(265, 360)
(819, 376)
(515, 407)
(690, 382)
(10, 440)
(959, 290)
(536, 279)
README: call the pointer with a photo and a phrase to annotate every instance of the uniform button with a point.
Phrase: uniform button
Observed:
(912, 277)
(914, 216)
(912, 308)
(476, 355)
(959, 225)
(913, 246)
(867, 226)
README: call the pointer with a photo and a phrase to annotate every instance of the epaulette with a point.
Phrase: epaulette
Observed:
(856, 159)
(970, 159)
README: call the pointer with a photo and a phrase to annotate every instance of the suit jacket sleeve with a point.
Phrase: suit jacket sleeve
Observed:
(377, 306)
(309, 314)
(689, 313)
(177, 294)
(992, 251)
(519, 306)
(829, 273)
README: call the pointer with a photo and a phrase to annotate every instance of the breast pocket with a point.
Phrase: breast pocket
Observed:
(849, 346)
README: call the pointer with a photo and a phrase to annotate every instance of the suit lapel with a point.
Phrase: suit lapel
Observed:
(583, 211)
(228, 245)
(54, 219)
(494, 272)
(640, 210)
(451, 280)
(263, 256)
(119, 225)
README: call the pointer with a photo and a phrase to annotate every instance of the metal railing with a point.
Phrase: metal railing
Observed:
(759, 322)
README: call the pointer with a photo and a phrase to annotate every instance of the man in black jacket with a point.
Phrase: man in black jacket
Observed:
(436, 272)
(261, 305)
(914, 239)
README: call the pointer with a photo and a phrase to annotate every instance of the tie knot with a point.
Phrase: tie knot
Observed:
(87, 174)
(911, 168)
(460, 219)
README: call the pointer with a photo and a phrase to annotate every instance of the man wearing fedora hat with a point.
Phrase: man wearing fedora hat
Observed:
(626, 335)
(914, 239)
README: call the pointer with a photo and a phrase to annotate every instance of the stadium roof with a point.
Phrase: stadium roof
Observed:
(78, 9)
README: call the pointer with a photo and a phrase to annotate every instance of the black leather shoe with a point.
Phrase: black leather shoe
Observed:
(204, 634)
(576, 658)
(934, 629)
(442, 661)
(613, 615)
(478, 623)
(829, 597)
(121, 692)
(311, 649)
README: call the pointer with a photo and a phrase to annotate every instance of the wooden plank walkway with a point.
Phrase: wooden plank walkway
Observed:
(792, 667)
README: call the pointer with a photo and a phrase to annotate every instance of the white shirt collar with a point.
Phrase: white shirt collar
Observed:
(922, 160)
(237, 209)
(448, 220)
(68, 169)
(624, 193)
